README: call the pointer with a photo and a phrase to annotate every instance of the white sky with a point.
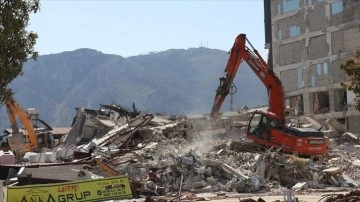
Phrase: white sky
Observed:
(130, 28)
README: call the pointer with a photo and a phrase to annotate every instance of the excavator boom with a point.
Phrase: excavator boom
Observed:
(225, 82)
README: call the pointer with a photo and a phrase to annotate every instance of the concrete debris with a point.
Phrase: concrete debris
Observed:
(7, 157)
(332, 170)
(159, 154)
(356, 162)
(45, 174)
(349, 181)
(314, 123)
(351, 196)
(334, 124)
(300, 185)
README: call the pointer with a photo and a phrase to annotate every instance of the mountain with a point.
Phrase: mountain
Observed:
(175, 81)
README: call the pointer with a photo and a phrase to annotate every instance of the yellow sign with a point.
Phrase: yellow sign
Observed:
(80, 191)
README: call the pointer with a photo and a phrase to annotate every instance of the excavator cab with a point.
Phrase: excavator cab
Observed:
(260, 125)
(45, 139)
(265, 128)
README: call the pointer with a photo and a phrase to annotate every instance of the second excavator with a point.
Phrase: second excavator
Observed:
(34, 138)
(267, 127)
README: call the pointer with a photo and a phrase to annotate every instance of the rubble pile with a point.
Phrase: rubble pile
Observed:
(162, 155)
(169, 154)
(162, 165)
(352, 196)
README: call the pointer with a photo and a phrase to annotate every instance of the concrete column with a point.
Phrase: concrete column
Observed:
(331, 100)
(307, 103)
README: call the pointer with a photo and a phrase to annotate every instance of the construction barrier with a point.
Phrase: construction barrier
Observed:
(81, 191)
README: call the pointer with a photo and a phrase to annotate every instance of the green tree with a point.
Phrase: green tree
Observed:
(352, 68)
(16, 43)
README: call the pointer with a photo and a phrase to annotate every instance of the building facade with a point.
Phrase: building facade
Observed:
(309, 40)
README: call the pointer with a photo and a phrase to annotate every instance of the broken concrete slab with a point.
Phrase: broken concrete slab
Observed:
(158, 121)
(350, 135)
(333, 123)
(350, 181)
(46, 174)
(111, 134)
(300, 185)
(331, 133)
(76, 129)
(7, 157)
(347, 147)
(235, 172)
(104, 121)
(315, 124)
(332, 170)
(356, 163)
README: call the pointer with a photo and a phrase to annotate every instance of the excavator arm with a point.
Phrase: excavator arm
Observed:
(231, 68)
(239, 53)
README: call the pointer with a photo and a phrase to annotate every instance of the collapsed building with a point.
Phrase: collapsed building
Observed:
(162, 154)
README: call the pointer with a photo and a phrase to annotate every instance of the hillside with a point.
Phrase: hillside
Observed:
(175, 81)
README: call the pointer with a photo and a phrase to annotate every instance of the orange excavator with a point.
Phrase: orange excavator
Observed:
(268, 128)
(34, 138)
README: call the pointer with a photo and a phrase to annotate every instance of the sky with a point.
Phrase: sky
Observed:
(130, 28)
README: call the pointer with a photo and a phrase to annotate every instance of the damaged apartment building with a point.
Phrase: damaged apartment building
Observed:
(308, 40)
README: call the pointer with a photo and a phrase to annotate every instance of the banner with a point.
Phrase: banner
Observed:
(80, 191)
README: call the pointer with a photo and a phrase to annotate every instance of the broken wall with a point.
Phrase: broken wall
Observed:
(290, 78)
(291, 52)
(351, 38)
(317, 19)
(353, 124)
(345, 40)
(337, 42)
(318, 47)
(337, 74)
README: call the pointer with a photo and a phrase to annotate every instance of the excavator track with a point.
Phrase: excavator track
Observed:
(247, 147)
